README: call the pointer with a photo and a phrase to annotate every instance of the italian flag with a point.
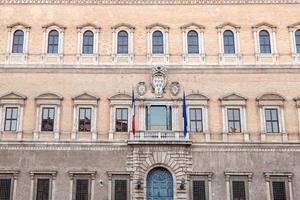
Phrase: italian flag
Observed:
(133, 113)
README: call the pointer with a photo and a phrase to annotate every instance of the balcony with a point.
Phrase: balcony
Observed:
(160, 137)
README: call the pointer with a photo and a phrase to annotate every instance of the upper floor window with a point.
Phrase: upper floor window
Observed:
(196, 122)
(264, 42)
(122, 47)
(234, 120)
(297, 40)
(53, 40)
(157, 42)
(11, 118)
(48, 119)
(88, 42)
(193, 42)
(272, 120)
(18, 42)
(159, 117)
(228, 40)
(121, 120)
(85, 115)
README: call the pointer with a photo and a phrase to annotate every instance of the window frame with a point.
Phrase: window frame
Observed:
(83, 45)
(162, 45)
(243, 116)
(295, 39)
(246, 177)
(53, 45)
(21, 45)
(240, 110)
(241, 179)
(11, 119)
(84, 175)
(280, 119)
(119, 45)
(286, 177)
(200, 177)
(116, 118)
(42, 107)
(10, 177)
(91, 116)
(50, 175)
(198, 42)
(11, 30)
(234, 46)
(190, 120)
(117, 176)
(269, 41)
(169, 116)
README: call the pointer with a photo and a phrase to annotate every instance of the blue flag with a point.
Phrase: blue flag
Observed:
(184, 115)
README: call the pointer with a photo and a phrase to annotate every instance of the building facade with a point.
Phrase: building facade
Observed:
(68, 69)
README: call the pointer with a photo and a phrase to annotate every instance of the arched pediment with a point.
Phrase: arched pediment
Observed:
(294, 25)
(264, 24)
(157, 25)
(13, 95)
(221, 26)
(192, 25)
(120, 96)
(19, 24)
(129, 26)
(270, 97)
(54, 25)
(196, 96)
(86, 96)
(233, 97)
(88, 25)
(49, 96)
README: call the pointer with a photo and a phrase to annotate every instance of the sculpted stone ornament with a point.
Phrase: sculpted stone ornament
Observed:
(158, 80)
(141, 88)
(174, 88)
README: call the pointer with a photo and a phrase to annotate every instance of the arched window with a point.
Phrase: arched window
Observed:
(157, 43)
(18, 42)
(53, 42)
(297, 40)
(88, 42)
(264, 42)
(228, 40)
(193, 43)
(122, 42)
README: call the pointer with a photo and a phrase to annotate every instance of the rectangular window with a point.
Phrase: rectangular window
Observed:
(279, 190)
(196, 123)
(121, 120)
(272, 121)
(85, 119)
(234, 120)
(121, 189)
(159, 118)
(48, 119)
(11, 118)
(199, 192)
(238, 190)
(5, 189)
(43, 189)
(82, 189)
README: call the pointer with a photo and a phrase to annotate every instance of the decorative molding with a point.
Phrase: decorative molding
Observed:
(53, 24)
(192, 25)
(149, 2)
(19, 24)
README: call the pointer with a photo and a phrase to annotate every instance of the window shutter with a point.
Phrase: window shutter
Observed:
(199, 190)
(42, 189)
(5, 185)
(120, 189)
(279, 190)
(238, 190)
(82, 189)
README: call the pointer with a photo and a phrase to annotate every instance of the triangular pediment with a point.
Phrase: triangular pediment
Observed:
(270, 97)
(120, 96)
(86, 96)
(13, 95)
(157, 25)
(18, 24)
(89, 25)
(196, 96)
(53, 24)
(228, 24)
(233, 97)
(264, 24)
(123, 25)
(49, 96)
(192, 25)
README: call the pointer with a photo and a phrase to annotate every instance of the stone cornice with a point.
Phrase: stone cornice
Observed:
(148, 2)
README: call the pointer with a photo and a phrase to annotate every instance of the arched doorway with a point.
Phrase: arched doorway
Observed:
(159, 184)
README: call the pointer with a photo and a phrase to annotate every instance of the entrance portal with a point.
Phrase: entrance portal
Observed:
(159, 184)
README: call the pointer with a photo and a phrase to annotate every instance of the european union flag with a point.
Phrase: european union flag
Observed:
(184, 115)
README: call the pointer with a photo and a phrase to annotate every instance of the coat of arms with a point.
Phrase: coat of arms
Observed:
(158, 80)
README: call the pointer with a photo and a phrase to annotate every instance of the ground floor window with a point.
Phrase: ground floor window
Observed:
(5, 188)
(159, 117)
(120, 186)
